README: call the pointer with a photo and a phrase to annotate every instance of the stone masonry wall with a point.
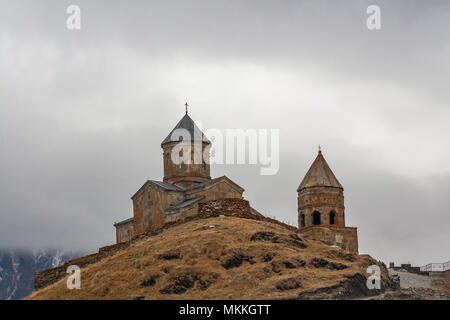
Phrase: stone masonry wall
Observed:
(47, 277)
(181, 214)
(149, 206)
(343, 237)
(125, 231)
(323, 200)
(194, 166)
(227, 207)
(216, 191)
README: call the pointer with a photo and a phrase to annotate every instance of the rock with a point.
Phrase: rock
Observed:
(293, 263)
(354, 287)
(322, 263)
(268, 257)
(293, 239)
(180, 284)
(265, 236)
(288, 284)
(236, 261)
(170, 255)
(184, 282)
(150, 281)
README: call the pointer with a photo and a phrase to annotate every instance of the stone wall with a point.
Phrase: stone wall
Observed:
(124, 231)
(181, 213)
(228, 207)
(47, 277)
(343, 237)
(236, 207)
(149, 205)
(220, 189)
(324, 200)
(194, 167)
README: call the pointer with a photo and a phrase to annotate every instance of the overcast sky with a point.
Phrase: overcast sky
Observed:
(83, 113)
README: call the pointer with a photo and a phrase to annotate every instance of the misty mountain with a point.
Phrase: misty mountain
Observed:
(17, 268)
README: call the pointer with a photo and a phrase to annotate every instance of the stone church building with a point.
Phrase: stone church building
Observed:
(321, 210)
(187, 186)
(183, 187)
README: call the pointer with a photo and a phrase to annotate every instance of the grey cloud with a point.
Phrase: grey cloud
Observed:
(82, 113)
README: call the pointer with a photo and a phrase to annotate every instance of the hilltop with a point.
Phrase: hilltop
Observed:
(224, 258)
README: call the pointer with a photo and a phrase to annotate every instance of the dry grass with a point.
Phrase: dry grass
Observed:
(151, 268)
(441, 283)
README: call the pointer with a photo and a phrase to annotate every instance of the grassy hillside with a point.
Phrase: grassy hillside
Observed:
(223, 258)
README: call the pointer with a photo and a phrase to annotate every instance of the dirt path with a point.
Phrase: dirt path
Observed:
(413, 287)
(412, 280)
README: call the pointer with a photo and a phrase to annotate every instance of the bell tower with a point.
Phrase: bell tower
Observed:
(186, 154)
(320, 197)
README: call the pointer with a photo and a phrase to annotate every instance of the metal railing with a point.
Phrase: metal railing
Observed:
(439, 267)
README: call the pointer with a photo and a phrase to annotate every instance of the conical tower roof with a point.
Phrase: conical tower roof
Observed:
(186, 123)
(319, 175)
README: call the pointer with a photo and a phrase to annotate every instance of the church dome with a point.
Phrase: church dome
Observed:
(319, 175)
(185, 125)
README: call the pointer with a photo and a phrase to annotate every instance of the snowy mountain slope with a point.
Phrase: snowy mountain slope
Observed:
(17, 269)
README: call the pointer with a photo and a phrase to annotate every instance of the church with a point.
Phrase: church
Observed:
(183, 187)
(187, 185)
(321, 210)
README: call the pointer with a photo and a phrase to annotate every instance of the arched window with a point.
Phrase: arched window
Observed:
(332, 217)
(302, 220)
(180, 158)
(316, 218)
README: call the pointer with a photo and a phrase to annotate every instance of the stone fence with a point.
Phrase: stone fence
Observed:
(344, 237)
(226, 207)
(236, 208)
(47, 277)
